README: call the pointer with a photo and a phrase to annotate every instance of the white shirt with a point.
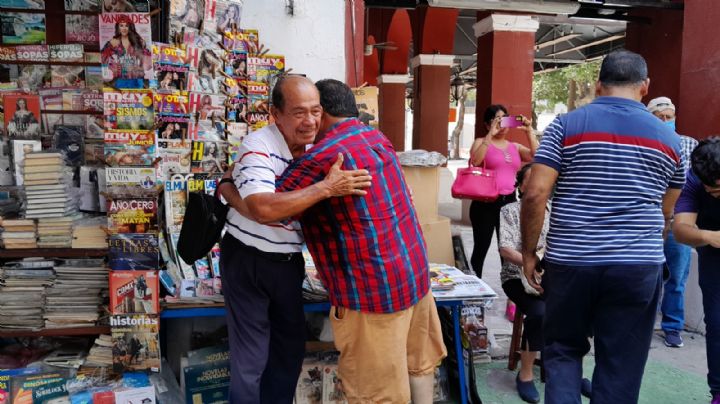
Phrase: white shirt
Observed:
(263, 156)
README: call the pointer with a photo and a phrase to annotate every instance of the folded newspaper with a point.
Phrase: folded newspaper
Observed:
(449, 283)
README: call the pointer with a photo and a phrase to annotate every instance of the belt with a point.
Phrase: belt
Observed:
(272, 256)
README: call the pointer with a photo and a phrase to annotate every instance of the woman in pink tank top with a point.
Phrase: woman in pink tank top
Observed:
(505, 158)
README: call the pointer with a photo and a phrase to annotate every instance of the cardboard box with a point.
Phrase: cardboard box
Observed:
(439, 240)
(424, 183)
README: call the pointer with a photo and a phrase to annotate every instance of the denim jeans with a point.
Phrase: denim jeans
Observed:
(673, 300)
(709, 279)
(616, 304)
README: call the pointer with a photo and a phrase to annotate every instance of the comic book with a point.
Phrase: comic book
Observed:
(129, 148)
(134, 292)
(132, 215)
(126, 6)
(135, 342)
(22, 115)
(236, 134)
(207, 130)
(208, 156)
(22, 28)
(66, 53)
(126, 68)
(82, 29)
(129, 109)
(26, 4)
(228, 15)
(82, 5)
(32, 53)
(205, 106)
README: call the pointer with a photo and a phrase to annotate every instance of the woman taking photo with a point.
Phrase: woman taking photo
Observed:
(496, 153)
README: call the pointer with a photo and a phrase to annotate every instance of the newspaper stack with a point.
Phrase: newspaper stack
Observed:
(421, 158)
(450, 283)
(100, 354)
(88, 233)
(76, 297)
(55, 232)
(18, 234)
(22, 292)
(46, 182)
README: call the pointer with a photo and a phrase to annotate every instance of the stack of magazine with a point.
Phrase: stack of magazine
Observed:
(55, 232)
(46, 181)
(77, 296)
(22, 292)
(88, 233)
(18, 234)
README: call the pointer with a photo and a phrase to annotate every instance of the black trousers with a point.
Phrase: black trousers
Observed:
(485, 219)
(266, 322)
(533, 307)
(617, 304)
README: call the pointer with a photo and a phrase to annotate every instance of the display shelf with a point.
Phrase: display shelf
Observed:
(56, 332)
(53, 252)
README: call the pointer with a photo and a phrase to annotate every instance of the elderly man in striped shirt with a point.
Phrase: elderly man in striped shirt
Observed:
(617, 171)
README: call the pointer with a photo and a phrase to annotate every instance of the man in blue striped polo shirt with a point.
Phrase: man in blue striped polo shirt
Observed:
(617, 172)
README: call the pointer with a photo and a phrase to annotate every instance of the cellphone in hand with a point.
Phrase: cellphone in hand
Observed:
(511, 121)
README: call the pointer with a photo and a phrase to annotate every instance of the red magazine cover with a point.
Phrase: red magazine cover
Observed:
(22, 115)
(134, 292)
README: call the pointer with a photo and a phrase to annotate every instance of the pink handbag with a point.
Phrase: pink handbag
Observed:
(476, 183)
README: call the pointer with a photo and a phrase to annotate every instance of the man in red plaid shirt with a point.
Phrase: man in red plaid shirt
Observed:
(372, 258)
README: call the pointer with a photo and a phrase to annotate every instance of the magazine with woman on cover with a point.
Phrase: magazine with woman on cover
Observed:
(126, 45)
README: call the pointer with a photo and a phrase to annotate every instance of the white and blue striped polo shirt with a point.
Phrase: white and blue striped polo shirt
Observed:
(263, 157)
(615, 162)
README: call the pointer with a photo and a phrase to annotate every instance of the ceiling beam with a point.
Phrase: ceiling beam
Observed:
(560, 61)
(556, 41)
(589, 44)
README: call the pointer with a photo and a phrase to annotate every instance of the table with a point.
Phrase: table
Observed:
(453, 305)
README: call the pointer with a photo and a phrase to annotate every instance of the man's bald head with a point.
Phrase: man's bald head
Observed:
(279, 94)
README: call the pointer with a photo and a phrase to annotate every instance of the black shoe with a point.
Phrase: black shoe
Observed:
(586, 387)
(527, 390)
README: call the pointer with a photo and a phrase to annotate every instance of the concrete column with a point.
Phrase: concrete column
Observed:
(506, 53)
(391, 107)
(431, 103)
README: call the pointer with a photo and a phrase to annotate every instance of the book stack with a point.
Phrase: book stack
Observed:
(100, 354)
(55, 232)
(46, 186)
(76, 297)
(89, 233)
(18, 234)
(22, 292)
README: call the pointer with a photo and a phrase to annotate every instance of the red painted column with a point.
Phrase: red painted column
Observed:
(700, 70)
(661, 44)
(431, 102)
(506, 53)
(354, 41)
(391, 106)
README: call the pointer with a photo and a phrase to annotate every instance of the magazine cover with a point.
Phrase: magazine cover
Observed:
(243, 40)
(67, 76)
(170, 78)
(129, 110)
(94, 152)
(95, 126)
(175, 156)
(257, 120)
(367, 104)
(175, 201)
(258, 97)
(207, 382)
(126, 49)
(19, 149)
(24, 387)
(135, 342)
(82, 29)
(22, 28)
(236, 134)
(7, 54)
(66, 53)
(132, 215)
(7, 375)
(91, 100)
(209, 35)
(205, 106)
(93, 74)
(265, 68)
(185, 14)
(134, 292)
(33, 77)
(215, 261)
(125, 6)
(228, 15)
(129, 148)
(22, 115)
(32, 53)
(208, 156)
(237, 108)
(168, 54)
(171, 104)
(26, 4)
(69, 141)
(173, 127)
(82, 5)
(236, 65)
(133, 177)
(207, 130)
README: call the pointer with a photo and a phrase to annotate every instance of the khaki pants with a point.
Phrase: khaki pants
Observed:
(378, 352)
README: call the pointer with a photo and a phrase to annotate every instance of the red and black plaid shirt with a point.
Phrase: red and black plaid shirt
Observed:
(369, 250)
